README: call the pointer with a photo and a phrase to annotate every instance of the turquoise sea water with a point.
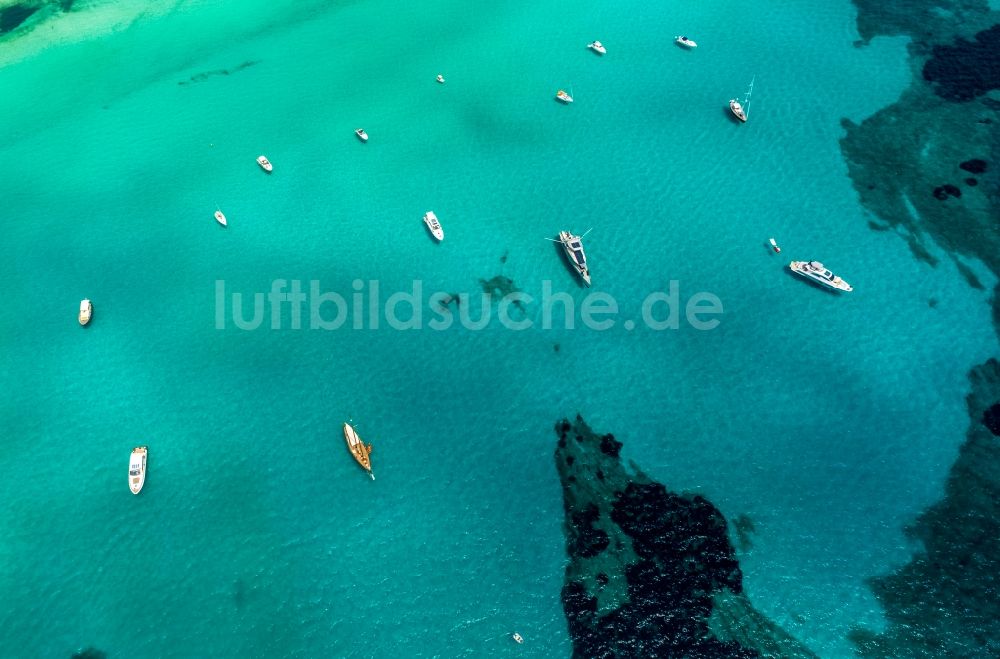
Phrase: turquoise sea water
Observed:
(256, 535)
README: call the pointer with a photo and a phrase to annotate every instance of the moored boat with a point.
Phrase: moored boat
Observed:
(430, 219)
(86, 310)
(137, 469)
(817, 272)
(358, 449)
(564, 97)
(573, 246)
(597, 47)
(741, 110)
(774, 246)
(517, 637)
(362, 135)
(265, 164)
(440, 78)
(220, 218)
(684, 41)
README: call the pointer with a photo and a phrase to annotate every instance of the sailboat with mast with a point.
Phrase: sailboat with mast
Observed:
(740, 110)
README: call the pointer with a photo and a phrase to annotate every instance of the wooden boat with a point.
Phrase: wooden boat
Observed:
(137, 469)
(362, 135)
(358, 449)
(220, 218)
(265, 164)
(86, 310)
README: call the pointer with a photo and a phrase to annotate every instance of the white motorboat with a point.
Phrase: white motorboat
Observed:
(265, 164)
(597, 47)
(774, 246)
(819, 273)
(684, 41)
(440, 78)
(517, 637)
(564, 97)
(430, 219)
(220, 218)
(137, 469)
(86, 309)
(362, 135)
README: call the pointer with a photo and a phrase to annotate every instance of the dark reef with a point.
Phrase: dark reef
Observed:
(967, 69)
(14, 16)
(974, 166)
(89, 653)
(201, 77)
(946, 601)
(652, 573)
(991, 419)
(942, 192)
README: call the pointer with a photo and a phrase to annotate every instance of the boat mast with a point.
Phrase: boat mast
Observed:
(746, 99)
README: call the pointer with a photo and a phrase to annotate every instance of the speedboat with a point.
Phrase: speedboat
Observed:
(517, 637)
(137, 469)
(220, 218)
(597, 47)
(737, 109)
(573, 246)
(564, 97)
(819, 273)
(362, 135)
(358, 449)
(684, 41)
(430, 219)
(264, 163)
(774, 246)
(86, 309)
(440, 78)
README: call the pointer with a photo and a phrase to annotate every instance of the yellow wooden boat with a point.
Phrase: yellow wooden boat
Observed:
(358, 449)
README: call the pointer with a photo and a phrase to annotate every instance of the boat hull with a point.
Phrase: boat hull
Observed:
(362, 135)
(137, 469)
(737, 110)
(357, 448)
(220, 218)
(434, 226)
(583, 271)
(265, 164)
(86, 311)
(686, 43)
(803, 269)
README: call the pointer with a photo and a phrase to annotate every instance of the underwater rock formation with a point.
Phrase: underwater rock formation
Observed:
(14, 16)
(944, 602)
(201, 77)
(651, 573)
(908, 148)
(89, 653)
(966, 69)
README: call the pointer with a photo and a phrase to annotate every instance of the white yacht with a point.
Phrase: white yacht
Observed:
(362, 135)
(573, 246)
(738, 109)
(431, 220)
(137, 469)
(597, 47)
(684, 41)
(265, 164)
(440, 78)
(220, 218)
(819, 273)
(564, 97)
(86, 309)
